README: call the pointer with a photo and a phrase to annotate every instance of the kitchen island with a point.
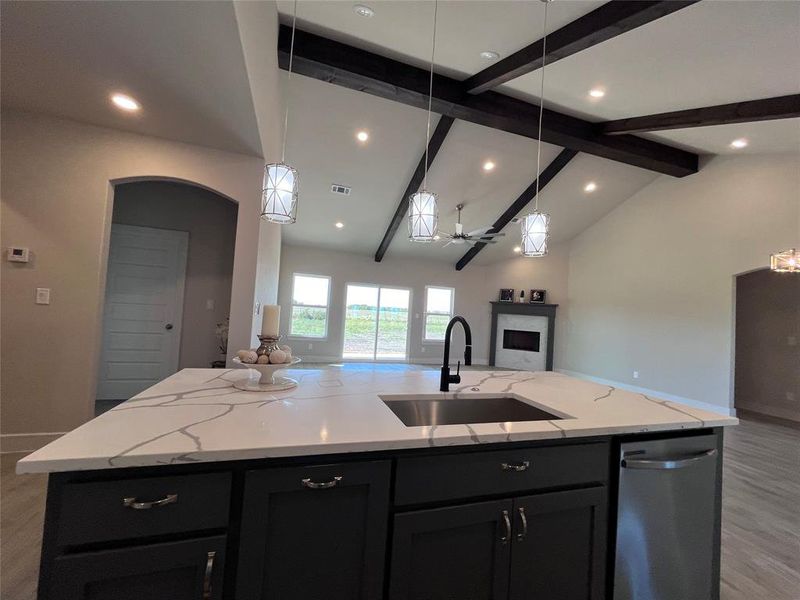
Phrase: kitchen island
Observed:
(194, 489)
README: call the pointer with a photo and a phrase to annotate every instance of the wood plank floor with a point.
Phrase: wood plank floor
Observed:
(760, 520)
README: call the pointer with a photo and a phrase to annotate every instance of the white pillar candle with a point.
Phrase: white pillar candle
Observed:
(270, 320)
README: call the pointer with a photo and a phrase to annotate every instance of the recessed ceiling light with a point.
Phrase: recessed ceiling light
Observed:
(339, 224)
(739, 144)
(517, 249)
(363, 11)
(362, 136)
(489, 165)
(489, 55)
(590, 187)
(125, 102)
(437, 237)
(597, 92)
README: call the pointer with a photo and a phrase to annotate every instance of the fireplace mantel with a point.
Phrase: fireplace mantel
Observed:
(528, 309)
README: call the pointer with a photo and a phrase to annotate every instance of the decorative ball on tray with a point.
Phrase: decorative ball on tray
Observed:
(268, 358)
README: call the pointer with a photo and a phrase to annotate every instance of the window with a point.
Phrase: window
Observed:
(438, 312)
(310, 296)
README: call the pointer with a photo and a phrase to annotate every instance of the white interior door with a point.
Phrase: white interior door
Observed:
(143, 309)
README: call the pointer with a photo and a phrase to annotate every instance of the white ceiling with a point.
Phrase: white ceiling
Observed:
(321, 144)
(183, 61)
(712, 52)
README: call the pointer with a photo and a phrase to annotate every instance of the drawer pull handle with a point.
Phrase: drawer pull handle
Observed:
(323, 485)
(521, 536)
(517, 467)
(207, 577)
(135, 505)
(507, 523)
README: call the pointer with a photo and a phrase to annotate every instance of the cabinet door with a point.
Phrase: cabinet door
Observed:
(452, 553)
(188, 570)
(559, 547)
(314, 532)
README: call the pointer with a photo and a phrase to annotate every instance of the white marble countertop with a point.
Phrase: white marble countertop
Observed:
(197, 415)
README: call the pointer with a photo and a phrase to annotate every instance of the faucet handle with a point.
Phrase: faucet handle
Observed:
(457, 377)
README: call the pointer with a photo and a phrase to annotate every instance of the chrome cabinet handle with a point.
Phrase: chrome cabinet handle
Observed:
(207, 577)
(517, 467)
(507, 523)
(136, 505)
(323, 485)
(672, 463)
(524, 519)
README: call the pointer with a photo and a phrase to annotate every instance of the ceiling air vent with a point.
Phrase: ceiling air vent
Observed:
(337, 188)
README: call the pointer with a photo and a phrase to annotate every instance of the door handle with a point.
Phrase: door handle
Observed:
(507, 523)
(521, 536)
(323, 485)
(207, 575)
(168, 326)
(670, 463)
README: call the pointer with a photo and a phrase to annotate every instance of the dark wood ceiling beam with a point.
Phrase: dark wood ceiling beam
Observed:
(766, 109)
(435, 143)
(606, 22)
(553, 169)
(334, 62)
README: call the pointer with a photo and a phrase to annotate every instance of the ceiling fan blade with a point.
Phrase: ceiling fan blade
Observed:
(447, 244)
(479, 231)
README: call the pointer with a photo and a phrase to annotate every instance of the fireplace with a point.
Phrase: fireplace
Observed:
(515, 339)
(522, 336)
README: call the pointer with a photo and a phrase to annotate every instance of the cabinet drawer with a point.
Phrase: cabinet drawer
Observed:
(454, 476)
(100, 511)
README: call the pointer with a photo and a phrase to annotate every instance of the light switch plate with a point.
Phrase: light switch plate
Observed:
(42, 295)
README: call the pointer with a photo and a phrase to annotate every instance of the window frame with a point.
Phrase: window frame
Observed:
(378, 286)
(425, 313)
(326, 306)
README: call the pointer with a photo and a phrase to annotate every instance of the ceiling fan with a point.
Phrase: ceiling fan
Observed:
(471, 237)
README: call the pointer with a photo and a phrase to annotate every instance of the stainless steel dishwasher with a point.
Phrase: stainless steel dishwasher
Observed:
(666, 520)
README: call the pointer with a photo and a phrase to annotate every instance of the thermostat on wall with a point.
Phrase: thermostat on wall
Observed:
(18, 254)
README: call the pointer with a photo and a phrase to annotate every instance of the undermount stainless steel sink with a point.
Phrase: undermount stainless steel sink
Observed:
(435, 410)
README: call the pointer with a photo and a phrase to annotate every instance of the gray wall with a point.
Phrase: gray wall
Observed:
(475, 287)
(651, 285)
(210, 220)
(768, 344)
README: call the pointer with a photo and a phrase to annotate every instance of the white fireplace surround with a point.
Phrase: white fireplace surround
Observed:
(524, 360)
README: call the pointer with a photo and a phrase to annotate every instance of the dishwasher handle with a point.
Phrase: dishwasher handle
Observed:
(666, 464)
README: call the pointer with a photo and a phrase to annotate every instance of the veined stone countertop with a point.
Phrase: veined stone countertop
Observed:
(197, 415)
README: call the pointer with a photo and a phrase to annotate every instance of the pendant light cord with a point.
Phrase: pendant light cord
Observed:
(430, 95)
(291, 58)
(541, 107)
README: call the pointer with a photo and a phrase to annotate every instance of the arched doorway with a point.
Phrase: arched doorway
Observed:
(168, 284)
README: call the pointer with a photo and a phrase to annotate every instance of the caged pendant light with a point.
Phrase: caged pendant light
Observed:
(787, 261)
(536, 225)
(423, 209)
(281, 182)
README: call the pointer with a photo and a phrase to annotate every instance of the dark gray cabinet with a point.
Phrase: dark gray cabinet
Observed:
(559, 544)
(185, 570)
(454, 552)
(314, 532)
(539, 547)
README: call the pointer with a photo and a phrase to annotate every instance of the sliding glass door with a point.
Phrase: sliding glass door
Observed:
(376, 322)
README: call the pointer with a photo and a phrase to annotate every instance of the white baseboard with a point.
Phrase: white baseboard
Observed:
(715, 408)
(25, 442)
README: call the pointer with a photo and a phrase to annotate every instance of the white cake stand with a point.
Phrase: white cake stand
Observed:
(269, 382)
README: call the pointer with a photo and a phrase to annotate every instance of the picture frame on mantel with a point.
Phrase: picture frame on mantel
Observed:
(506, 295)
(537, 296)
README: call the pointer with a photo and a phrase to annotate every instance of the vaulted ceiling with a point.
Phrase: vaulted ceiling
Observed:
(705, 54)
(185, 62)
